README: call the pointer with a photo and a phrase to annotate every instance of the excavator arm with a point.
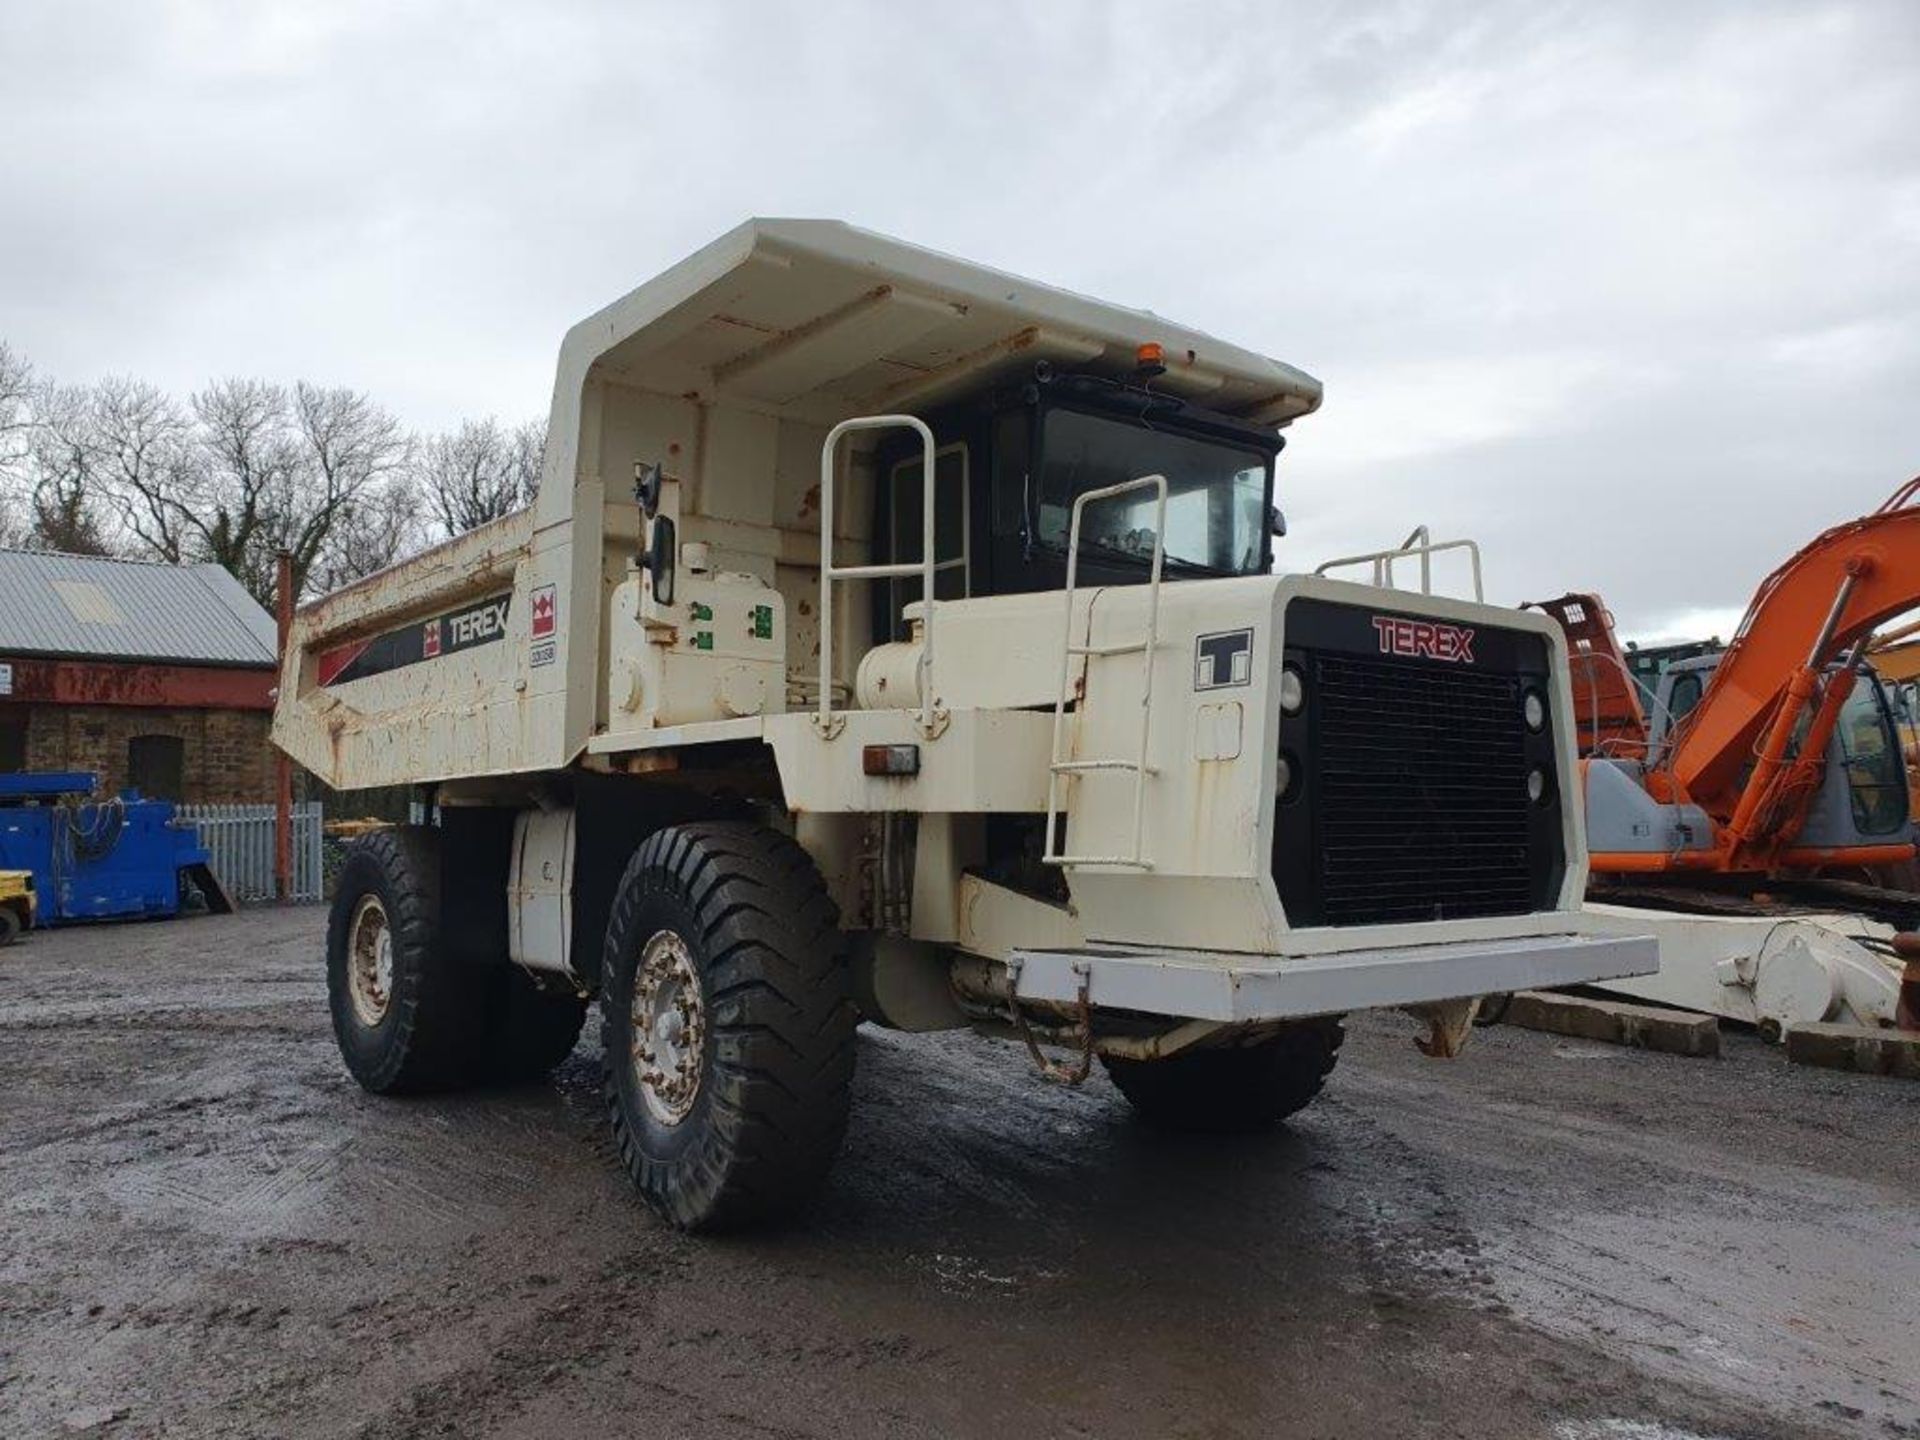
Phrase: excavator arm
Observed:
(1821, 606)
(1751, 753)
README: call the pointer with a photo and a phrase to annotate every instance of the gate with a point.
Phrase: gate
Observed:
(240, 840)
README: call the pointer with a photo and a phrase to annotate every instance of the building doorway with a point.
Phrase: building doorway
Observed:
(156, 766)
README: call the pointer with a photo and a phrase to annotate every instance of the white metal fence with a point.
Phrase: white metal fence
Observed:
(239, 839)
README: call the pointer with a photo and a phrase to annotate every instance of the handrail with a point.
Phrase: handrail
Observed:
(1420, 543)
(1058, 767)
(925, 568)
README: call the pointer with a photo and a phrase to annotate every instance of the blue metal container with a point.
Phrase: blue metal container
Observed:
(94, 860)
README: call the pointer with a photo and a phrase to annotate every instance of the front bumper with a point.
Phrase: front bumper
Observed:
(1236, 989)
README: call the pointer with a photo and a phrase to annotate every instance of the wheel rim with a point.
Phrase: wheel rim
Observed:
(370, 961)
(669, 1028)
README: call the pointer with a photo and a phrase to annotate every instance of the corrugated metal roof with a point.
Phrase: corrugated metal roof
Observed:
(53, 604)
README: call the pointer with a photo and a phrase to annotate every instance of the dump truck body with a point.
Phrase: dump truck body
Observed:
(1119, 787)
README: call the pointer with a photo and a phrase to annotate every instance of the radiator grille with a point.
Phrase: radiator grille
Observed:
(1421, 791)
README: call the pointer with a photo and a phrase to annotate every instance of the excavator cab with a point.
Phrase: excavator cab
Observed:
(1861, 797)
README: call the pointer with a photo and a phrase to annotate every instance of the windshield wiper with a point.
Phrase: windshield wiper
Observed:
(1144, 558)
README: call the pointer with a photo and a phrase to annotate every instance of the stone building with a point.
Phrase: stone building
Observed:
(155, 677)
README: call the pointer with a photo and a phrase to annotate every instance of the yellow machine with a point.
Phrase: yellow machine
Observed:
(17, 907)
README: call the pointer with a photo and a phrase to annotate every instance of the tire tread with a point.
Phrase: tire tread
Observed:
(780, 1022)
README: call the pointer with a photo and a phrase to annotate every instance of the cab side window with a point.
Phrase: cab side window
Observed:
(1684, 695)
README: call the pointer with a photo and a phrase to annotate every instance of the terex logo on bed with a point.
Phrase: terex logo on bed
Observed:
(481, 623)
(1424, 639)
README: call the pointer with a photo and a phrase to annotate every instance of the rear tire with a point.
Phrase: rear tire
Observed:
(405, 1014)
(727, 1026)
(1226, 1091)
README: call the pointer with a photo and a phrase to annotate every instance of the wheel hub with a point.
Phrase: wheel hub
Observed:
(370, 961)
(668, 1025)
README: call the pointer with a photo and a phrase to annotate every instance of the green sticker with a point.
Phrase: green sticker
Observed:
(703, 640)
(702, 612)
(763, 622)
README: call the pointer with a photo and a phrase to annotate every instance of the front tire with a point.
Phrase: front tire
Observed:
(727, 1026)
(1236, 1089)
(10, 927)
(405, 1016)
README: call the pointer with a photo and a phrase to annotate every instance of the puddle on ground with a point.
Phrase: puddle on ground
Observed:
(1803, 1314)
(1623, 1430)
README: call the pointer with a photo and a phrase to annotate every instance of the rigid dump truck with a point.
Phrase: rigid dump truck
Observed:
(894, 639)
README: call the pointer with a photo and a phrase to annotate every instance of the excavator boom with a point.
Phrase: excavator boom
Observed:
(1764, 760)
(1817, 607)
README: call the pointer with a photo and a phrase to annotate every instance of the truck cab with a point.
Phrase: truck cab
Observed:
(1030, 448)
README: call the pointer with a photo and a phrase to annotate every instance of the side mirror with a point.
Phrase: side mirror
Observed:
(660, 560)
(1276, 521)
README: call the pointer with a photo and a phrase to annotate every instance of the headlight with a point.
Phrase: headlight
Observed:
(1535, 711)
(1293, 691)
(1286, 777)
(1536, 785)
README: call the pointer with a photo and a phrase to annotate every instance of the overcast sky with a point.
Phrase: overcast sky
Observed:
(1628, 292)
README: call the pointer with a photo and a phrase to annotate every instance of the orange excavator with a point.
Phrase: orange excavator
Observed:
(1765, 783)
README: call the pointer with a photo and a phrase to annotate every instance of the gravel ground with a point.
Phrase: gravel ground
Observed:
(207, 1229)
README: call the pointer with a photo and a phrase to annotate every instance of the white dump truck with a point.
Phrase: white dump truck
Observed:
(894, 639)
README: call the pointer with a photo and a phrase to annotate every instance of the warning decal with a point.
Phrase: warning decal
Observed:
(541, 646)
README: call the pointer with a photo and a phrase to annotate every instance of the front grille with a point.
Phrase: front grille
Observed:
(1420, 791)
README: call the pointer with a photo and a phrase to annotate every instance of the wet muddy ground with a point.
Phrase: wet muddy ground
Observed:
(206, 1229)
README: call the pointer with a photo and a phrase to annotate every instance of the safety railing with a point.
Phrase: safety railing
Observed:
(1421, 545)
(1059, 769)
(926, 567)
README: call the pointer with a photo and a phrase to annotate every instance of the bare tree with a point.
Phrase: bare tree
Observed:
(16, 390)
(382, 526)
(144, 453)
(479, 472)
(16, 406)
(244, 463)
(66, 504)
(243, 470)
(350, 454)
(529, 443)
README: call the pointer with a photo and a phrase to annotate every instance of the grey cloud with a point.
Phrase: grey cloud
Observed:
(1628, 292)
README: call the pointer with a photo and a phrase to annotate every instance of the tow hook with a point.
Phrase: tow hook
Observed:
(1449, 1023)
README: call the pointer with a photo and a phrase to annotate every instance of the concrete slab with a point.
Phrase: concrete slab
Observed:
(1870, 1050)
(1646, 1027)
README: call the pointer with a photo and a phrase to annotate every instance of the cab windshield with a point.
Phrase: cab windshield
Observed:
(1216, 493)
(1876, 773)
